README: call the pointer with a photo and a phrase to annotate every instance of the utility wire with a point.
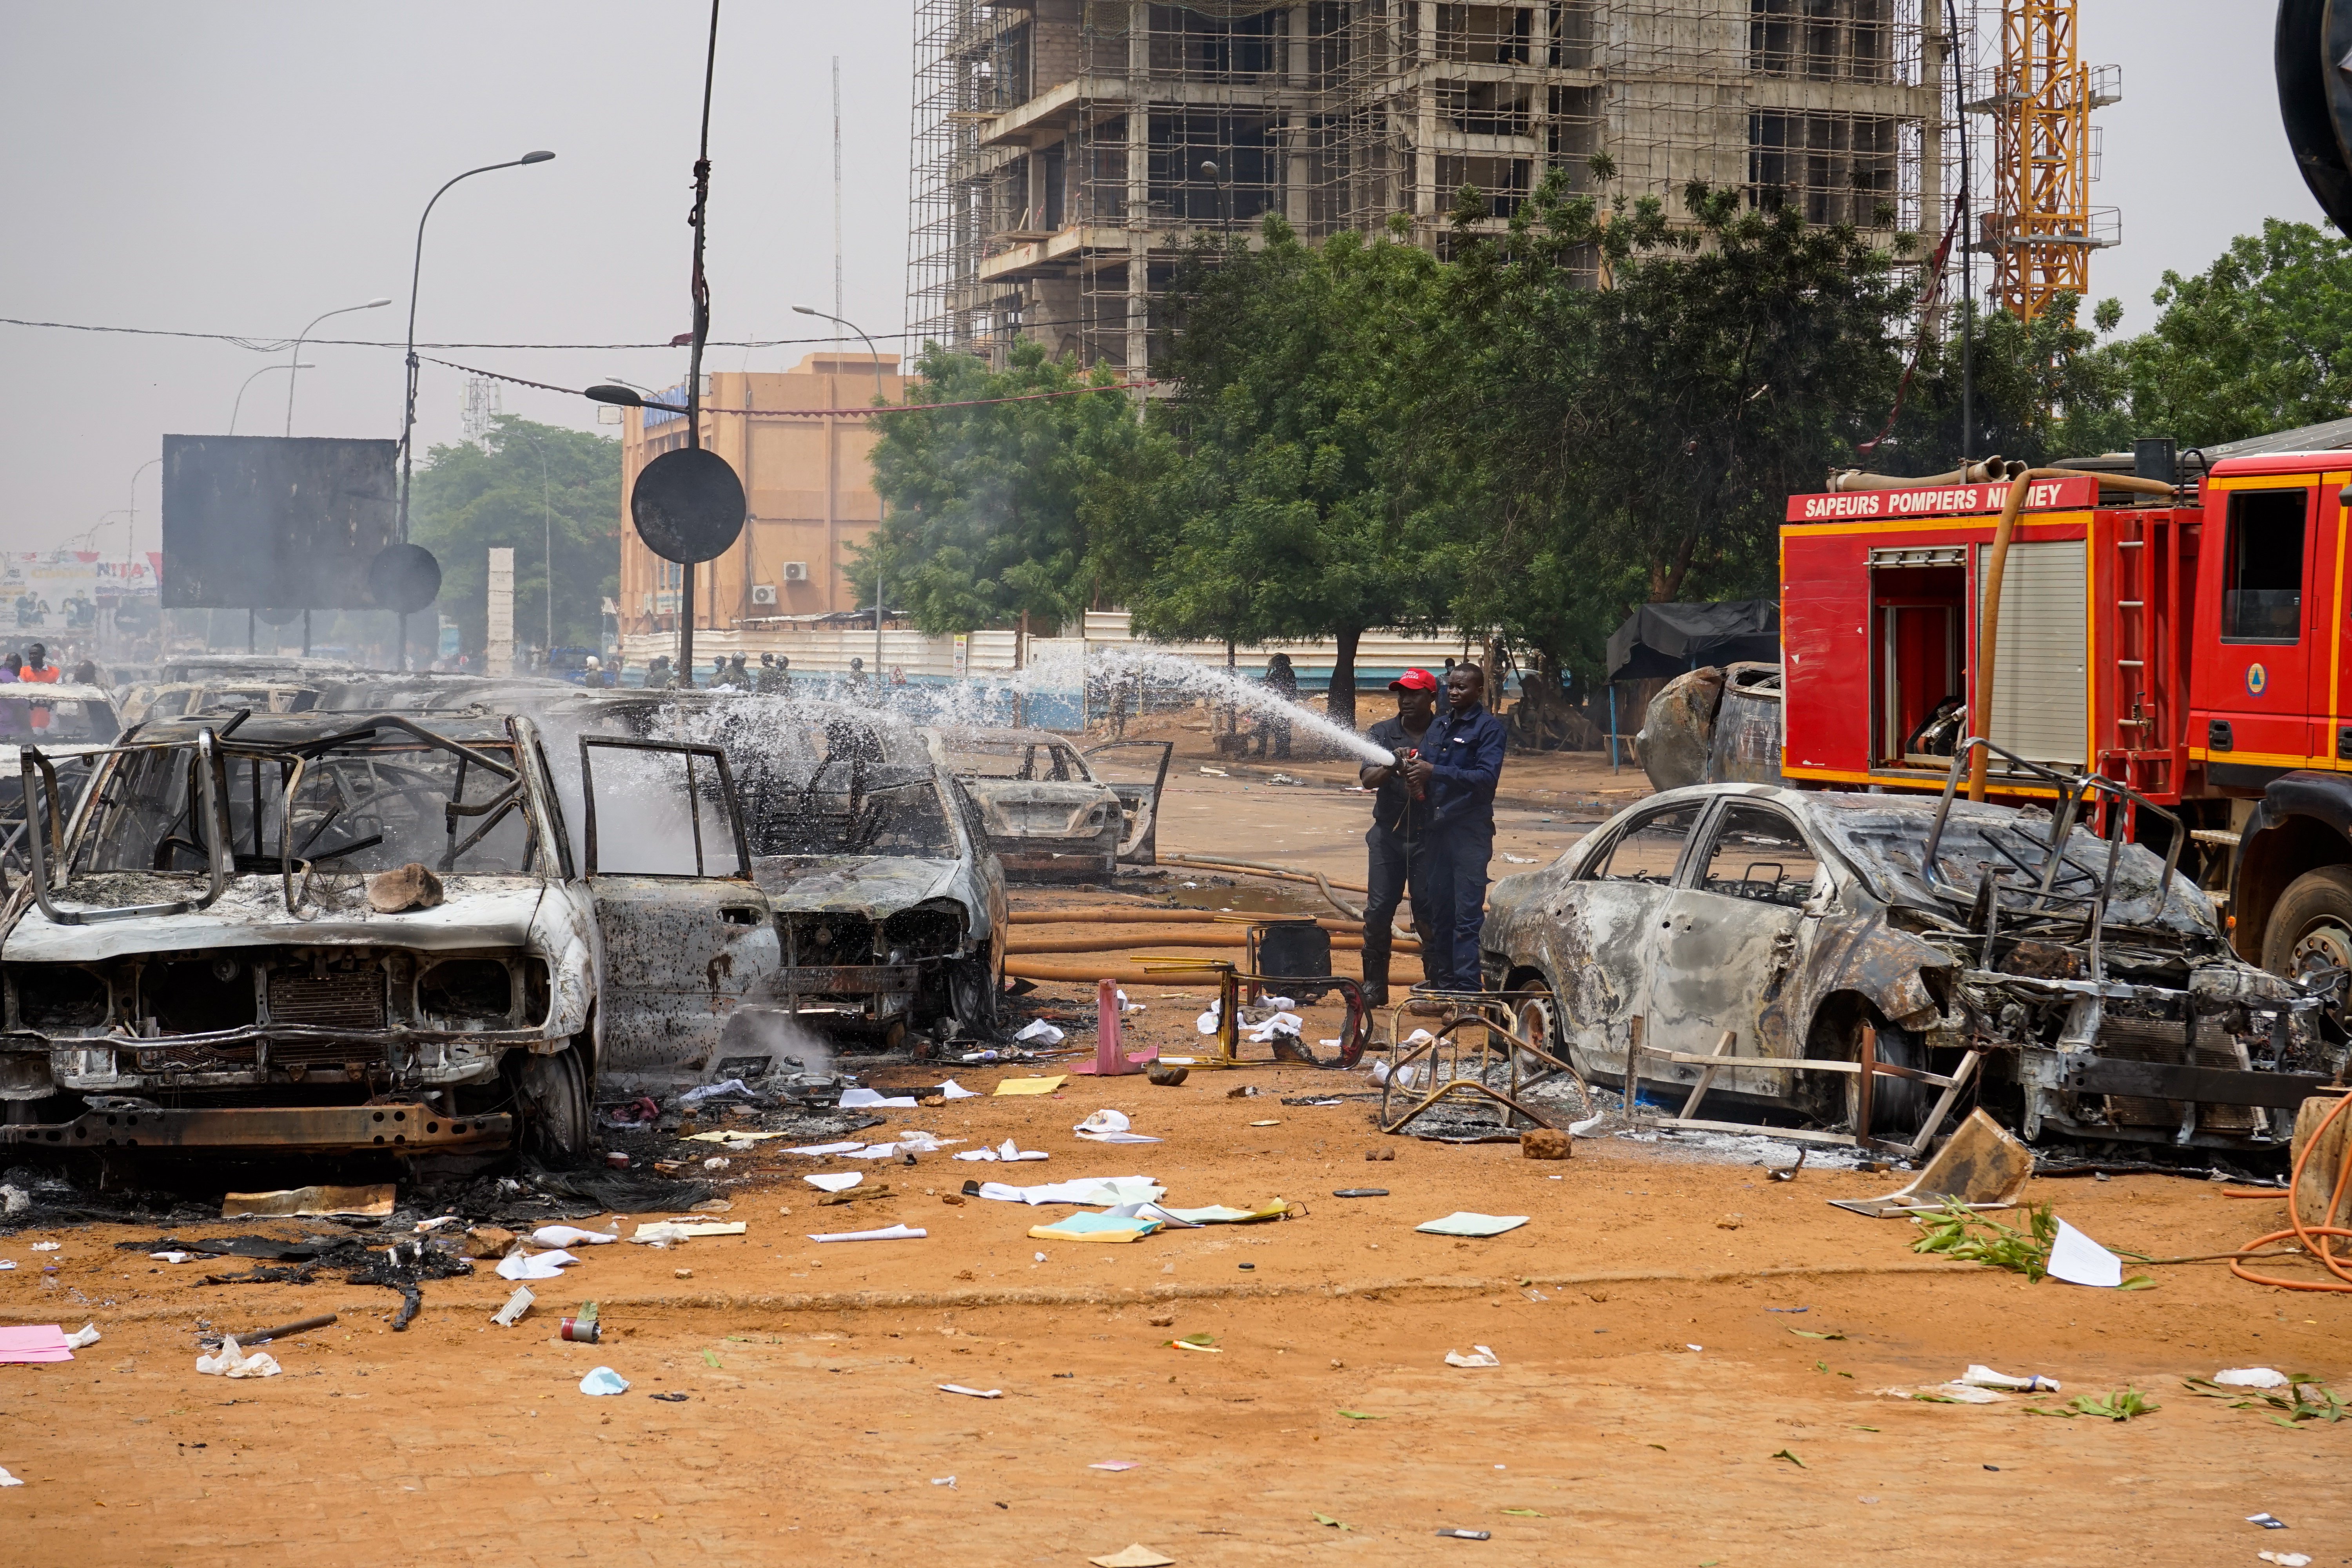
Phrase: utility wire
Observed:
(277, 346)
(807, 413)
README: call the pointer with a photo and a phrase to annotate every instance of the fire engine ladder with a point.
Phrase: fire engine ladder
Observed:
(2135, 752)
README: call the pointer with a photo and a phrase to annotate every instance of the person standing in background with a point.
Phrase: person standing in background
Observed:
(1283, 681)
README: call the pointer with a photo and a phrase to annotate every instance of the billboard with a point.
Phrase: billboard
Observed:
(61, 592)
(255, 522)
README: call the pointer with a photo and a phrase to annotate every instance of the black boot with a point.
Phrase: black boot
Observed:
(1376, 977)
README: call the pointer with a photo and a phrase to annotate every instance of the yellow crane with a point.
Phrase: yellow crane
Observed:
(2042, 227)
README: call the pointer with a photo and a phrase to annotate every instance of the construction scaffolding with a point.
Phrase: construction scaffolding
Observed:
(1069, 153)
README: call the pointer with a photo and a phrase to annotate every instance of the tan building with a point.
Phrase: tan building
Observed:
(802, 444)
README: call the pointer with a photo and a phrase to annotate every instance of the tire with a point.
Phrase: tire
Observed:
(551, 1097)
(972, 989)
(2310, 927)
(1898, 1105)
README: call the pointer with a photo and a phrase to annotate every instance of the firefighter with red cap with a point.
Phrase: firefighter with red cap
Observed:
(1398, 839)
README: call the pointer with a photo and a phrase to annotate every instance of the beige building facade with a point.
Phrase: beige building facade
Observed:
(802, 442)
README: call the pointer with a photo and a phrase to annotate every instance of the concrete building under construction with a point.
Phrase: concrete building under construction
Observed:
(1068, 151)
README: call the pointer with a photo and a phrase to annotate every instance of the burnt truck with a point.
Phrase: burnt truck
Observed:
(2090, 984)
(326, 932)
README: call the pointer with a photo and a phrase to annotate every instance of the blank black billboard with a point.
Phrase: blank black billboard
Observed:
(273, 522)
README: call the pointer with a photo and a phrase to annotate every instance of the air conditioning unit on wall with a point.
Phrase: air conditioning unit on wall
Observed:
(763, 592)
(796, 572)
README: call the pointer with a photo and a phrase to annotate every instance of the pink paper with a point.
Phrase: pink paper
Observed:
(37, 1343)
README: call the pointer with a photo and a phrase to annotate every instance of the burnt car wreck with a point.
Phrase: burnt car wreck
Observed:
(2095, 982)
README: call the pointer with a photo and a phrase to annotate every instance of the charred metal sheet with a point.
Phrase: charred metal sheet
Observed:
(1885, 966)
(410, 1128)
(848, 979)
(1678, 728)
(2082, 1072)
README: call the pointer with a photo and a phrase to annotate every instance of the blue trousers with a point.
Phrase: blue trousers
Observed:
(1458, 854)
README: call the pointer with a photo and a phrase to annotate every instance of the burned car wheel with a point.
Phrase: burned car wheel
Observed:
(552, 1096)
(972, 989)
(1897, 1105)
(2310, 927)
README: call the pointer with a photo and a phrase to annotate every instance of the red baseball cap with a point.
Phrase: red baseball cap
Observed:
(1415, 680)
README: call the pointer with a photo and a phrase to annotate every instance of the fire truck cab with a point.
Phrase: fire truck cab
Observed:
(2192, 646)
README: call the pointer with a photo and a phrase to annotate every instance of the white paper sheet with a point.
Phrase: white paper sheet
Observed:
(828, 1148)
(1040, 1032)
(1150, 1211)
(1109, 1127)
(2078, 1260)
(954, 1090)
(893, 1233)
(571, 1236)
(836, 1182)
(535, 1265)
(1007, 1151)
(1089, 1191)
(975, 1393)
(860, 1098)
(1483, 1355)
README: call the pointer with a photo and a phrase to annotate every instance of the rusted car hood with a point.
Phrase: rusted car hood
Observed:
(475, 913)
(853, 884)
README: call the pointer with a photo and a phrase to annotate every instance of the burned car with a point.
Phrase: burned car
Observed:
(2096, 981)
(1049, 817)
(889, 904)
(67, 721)
(341, 931)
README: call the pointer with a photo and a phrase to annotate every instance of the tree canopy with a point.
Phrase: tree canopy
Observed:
(524, 483)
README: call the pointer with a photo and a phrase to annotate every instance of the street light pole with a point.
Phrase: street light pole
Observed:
(880, 397)
(238, 407)
(297, 354)
(408, 411)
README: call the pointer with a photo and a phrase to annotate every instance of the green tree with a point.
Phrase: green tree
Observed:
(1293, 513)
(1000, 507)
(2046, 390)
(2259, 341)
(1636, 396)
(507, 493)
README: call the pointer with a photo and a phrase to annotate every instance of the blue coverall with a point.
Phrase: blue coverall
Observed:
(1465, 753)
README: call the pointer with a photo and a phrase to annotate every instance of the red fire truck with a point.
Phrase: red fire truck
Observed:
(2193, 645)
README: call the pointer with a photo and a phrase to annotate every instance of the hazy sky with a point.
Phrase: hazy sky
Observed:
(240, 168)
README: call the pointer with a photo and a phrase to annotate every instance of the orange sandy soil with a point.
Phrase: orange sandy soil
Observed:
(1645, 1395)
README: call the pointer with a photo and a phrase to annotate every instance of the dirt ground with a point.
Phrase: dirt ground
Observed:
(1661, 1397)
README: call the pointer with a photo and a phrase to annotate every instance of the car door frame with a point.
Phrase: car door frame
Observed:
(1692, 917)
(1140, 844)
(654, 1029)
(1602, 1044)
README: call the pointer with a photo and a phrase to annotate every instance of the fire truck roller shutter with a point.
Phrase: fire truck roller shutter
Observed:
(2038, 706)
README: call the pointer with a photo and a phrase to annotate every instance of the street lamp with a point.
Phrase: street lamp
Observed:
(408, 412)
(238, 407)
(305, 332)
(880, 397)
(1225, 194)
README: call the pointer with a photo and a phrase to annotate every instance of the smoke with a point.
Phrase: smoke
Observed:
(772, 1035)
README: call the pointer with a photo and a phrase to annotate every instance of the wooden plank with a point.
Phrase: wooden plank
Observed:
(1706, 1077)
(1750, 1130)
(1807, 1064)
(1944, 1104)
(1867, 1083)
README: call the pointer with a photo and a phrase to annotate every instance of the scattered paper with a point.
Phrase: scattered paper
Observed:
(1033, 1085)
(975, 1393)
(893, 1233)
(666, 1230)
(1207, 1022)
(839, 1181)
(1113, 1465)
(942, 1480)
(572, 1236)
(2284, 1559)
(1109, 1127)
(603, 1379)
(1218, 1214)
(1985, 1377)
(1007, 1151)
(1482, 1355)
(1138, 1556)
(373, 1200)
(162, 1256)
(1284, 1023)
(829, 1148)
(739, 1140)
(860, 1098)
(1167, 1218)
(1096, 1228)
(713, 1090)
(1041, 1032)
(954, 1090)
(1947, 1394)
(2251, 1377)
(86, 1335)
(507, 1316)
(232, 1361)
(1473, 1225)
(42, 1343)
(46, 1245)
(536, 1264)
(1103, 1192)
(9, 1480)
(2078, 1260)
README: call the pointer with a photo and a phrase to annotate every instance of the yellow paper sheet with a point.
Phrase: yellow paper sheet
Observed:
(1031, 1085)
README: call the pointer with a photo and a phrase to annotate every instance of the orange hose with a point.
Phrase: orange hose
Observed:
(2310, 1234)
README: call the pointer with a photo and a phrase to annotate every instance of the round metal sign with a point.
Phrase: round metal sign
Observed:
(404, 577)
(688, 506)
